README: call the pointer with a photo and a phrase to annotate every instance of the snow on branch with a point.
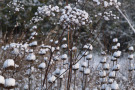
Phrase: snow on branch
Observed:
(126, 19)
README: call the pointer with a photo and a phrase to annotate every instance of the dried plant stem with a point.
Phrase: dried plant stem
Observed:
(75, 79)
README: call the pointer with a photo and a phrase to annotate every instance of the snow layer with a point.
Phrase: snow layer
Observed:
(8, 63)
(42, 66)
(9, 82)
(2, 80)
(31, 57)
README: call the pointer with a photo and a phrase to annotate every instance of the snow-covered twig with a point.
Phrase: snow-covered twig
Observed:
(126, 19)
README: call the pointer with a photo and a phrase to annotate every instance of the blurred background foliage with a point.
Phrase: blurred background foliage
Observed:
(103, 33)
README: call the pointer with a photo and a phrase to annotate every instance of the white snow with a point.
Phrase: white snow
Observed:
(42, 51)
(85, 53)
(56, 42)
(15, 51)
(9, 82)
(57, 71)
(45, 58)
(51, 79)
(116, 67)
(118, 45)
(56, 58)
(131, 48)
(51, 40)
(34, 43)
(115, 40)
(102, 73)
(64, 39)
(74, 48)
(8, 63)
(76, 66)
(64, 46)
(117, 54)
(84, 64)
(114, 47)
(131, 56)
(103, 60)
(97, 1)
(113, 58)
(106, 66)
(34, 33)
(64, 57)
(31, 57)
(2, 80)
(26, 87)
(88, 46)
(114, 86)
(89, 57)
(112, 74)
(42, 66)
(62, 72)
(106, 4)
(86, 71)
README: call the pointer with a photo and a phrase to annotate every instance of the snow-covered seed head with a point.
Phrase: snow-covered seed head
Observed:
(113, 58)
(74, 48)
(103, 80)
(118, 45)
(103, 87)
(117, 54)
(57, 48)
(103, 53)
(26, 87)
(89, 57)
(81, 69)
(84, 64)
(115, 40)
(42, 66)
(88, 47)
(106, 66)
(108, 88)
(86, 71)
(52, 79)
(74, 17)
(64, 39)
(56, 42)
(103, 60)
(9, 64)
(116, 67)
(64, 57)
(31, 57)
(131, 48)
(76, 66)
(56, 58)
(110, 81)
(51, 41)
(114, 47)
(15, 51)
(64, 46)
(62, 72)
(30, 51)
(2, 81)
(45, 59)
(42, 52)
(112, 74)
(102, 74)
(57, 72)
(33, 44)
(85, 53)
(114, 86)
(131, 57)
(9, 83)
(131, 68)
